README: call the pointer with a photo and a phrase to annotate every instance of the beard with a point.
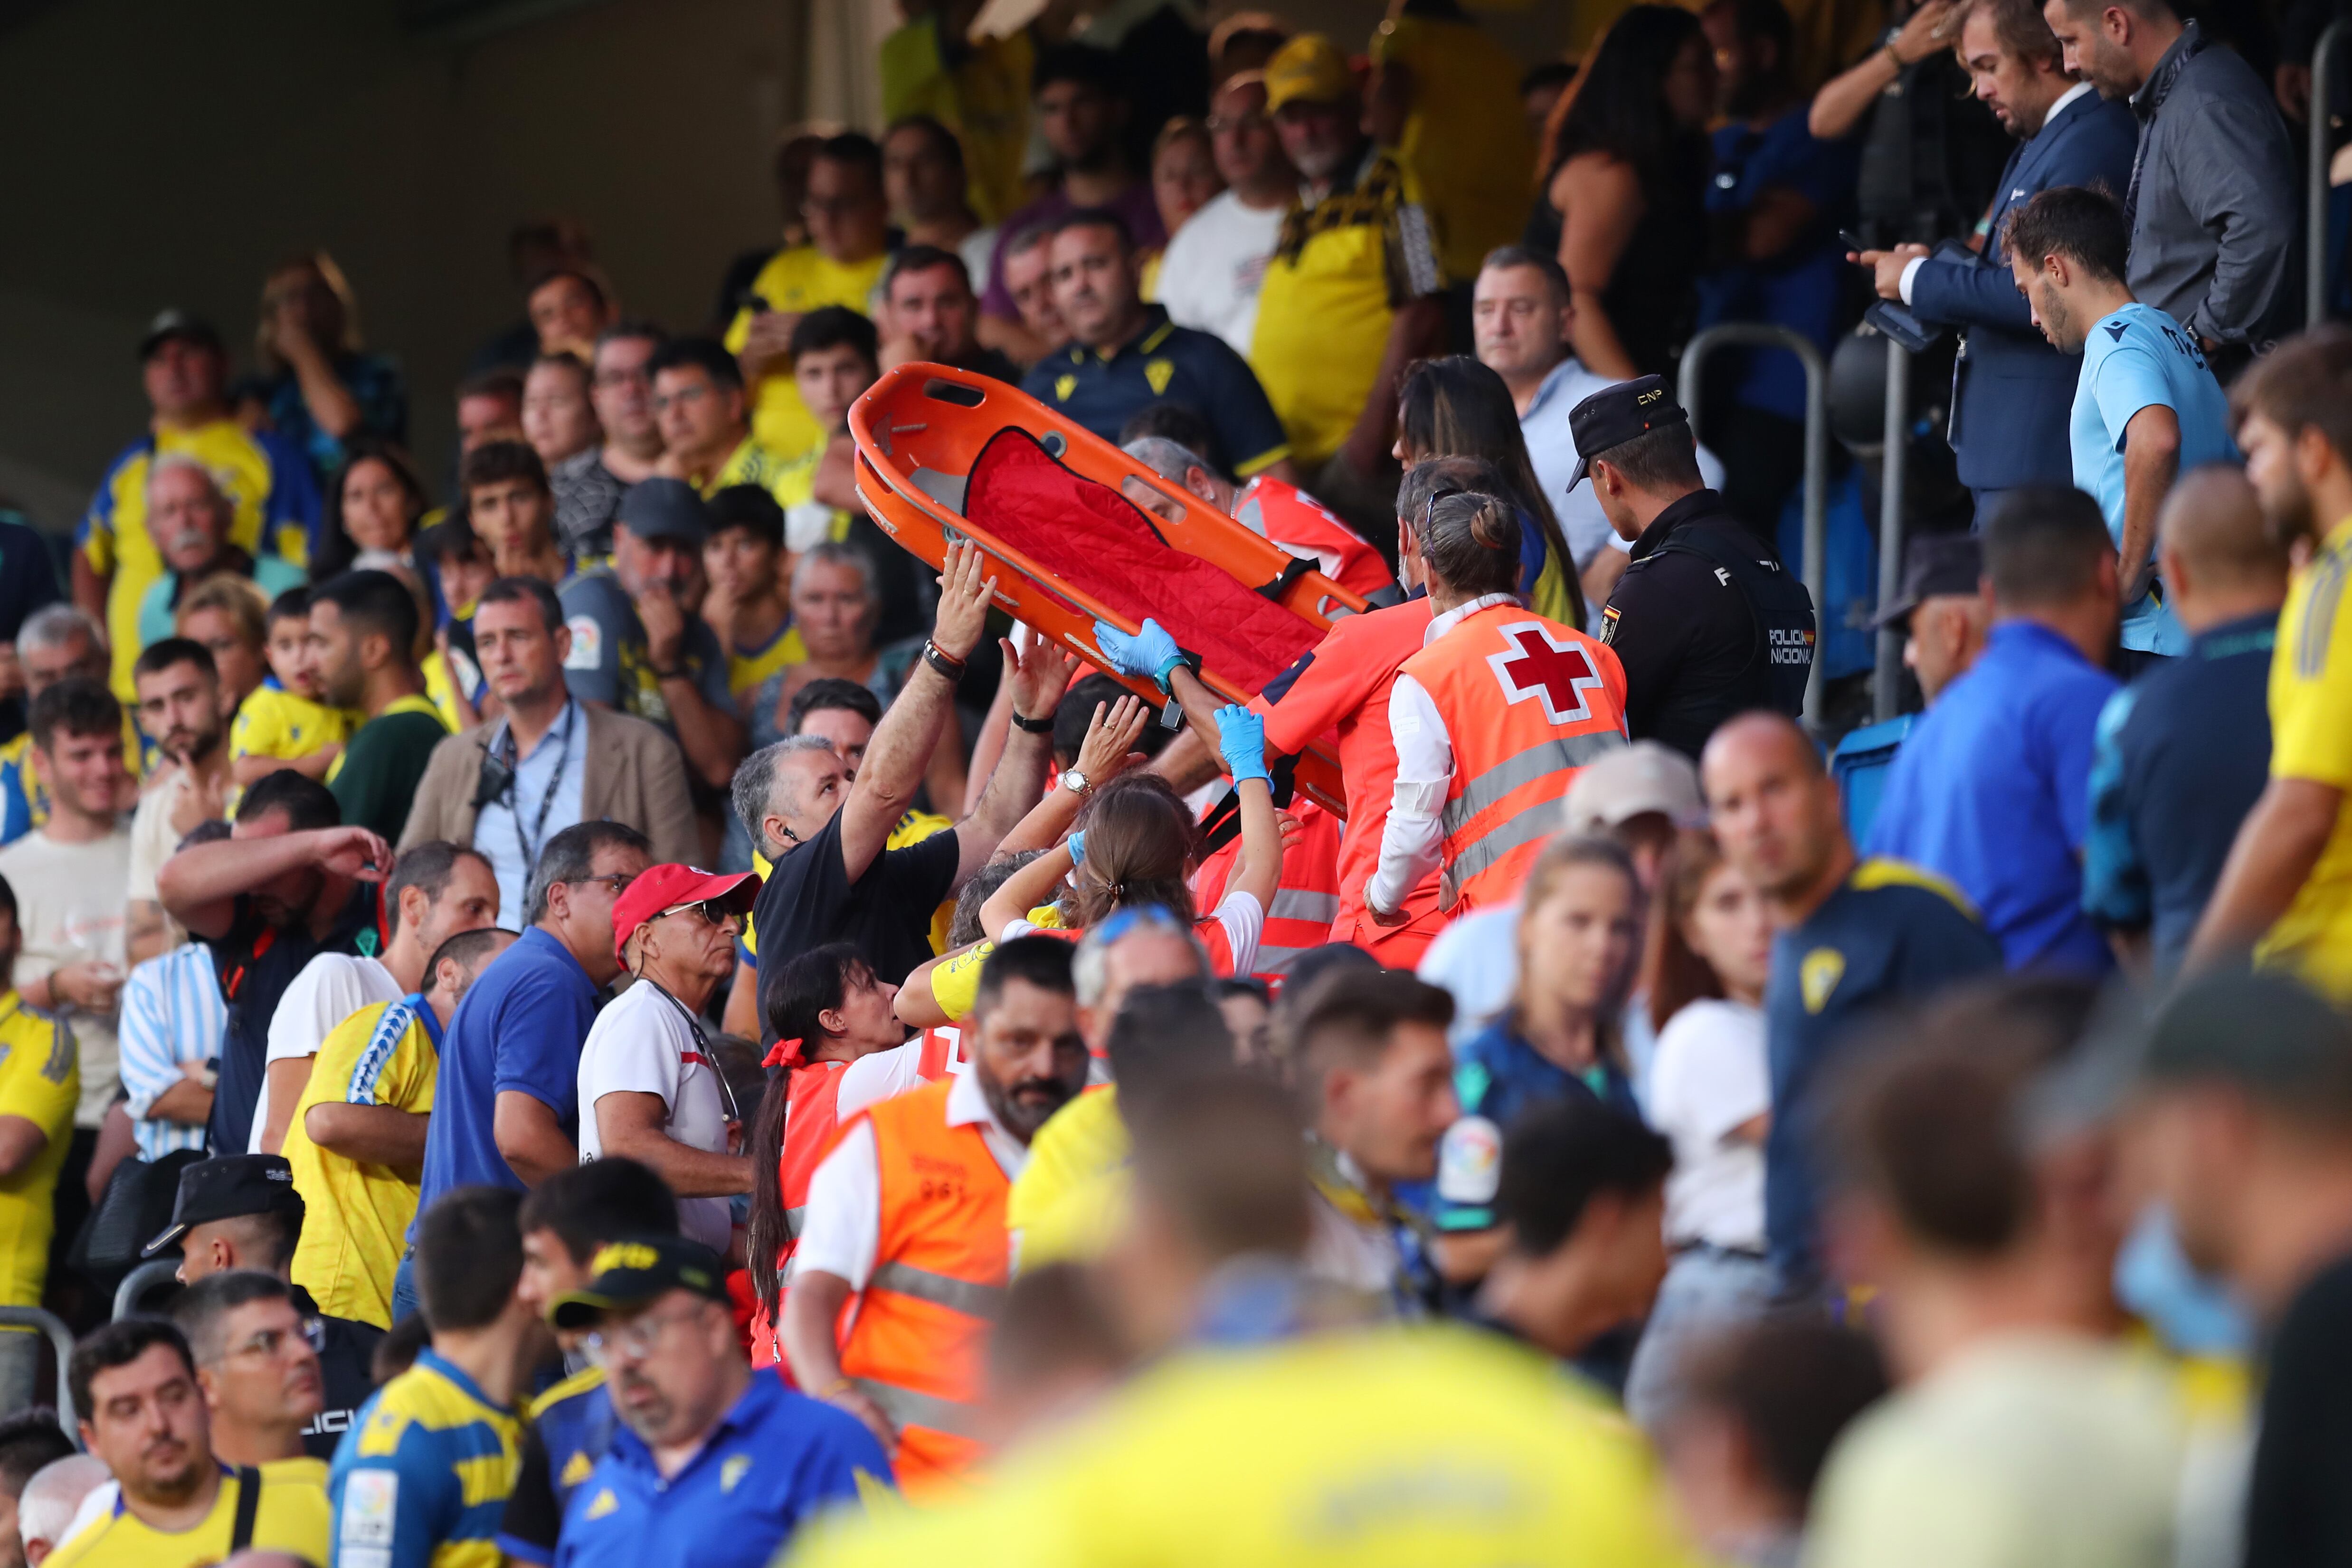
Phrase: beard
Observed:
(2287, 512)
(1026, 1105)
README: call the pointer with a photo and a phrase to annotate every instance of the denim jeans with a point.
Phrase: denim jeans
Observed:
(404, 1289)
(1706, 1291)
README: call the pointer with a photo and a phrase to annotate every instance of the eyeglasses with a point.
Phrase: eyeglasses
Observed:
(634, 1340)
(712, 912)
(268, 1344)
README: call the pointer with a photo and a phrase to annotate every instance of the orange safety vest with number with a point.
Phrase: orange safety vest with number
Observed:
(919, 1337)
(1526, 702)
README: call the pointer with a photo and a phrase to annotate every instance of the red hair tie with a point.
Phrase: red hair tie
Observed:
(783, 1053)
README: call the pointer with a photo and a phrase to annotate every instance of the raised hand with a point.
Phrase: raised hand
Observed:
(963, 601)
(1108, 749)
(1151, 651)
(354, 852)
(1241, 738)
(1040, 675)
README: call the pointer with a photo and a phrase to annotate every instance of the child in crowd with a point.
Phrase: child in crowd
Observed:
(454, 553)
(282, 724)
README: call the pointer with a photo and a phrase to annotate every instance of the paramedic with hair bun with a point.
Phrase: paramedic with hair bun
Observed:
(1491, 719)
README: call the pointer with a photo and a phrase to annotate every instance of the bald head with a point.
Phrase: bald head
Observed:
(51, 1499)
(2220, 563)
(1773, 806)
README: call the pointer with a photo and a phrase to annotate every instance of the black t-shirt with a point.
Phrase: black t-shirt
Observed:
(1683, 631)
(808, 900)
(2298, 1507)
(256, 961)
(346, 1369)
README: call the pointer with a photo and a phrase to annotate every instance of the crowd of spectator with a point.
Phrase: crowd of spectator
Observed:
(1636, 1129)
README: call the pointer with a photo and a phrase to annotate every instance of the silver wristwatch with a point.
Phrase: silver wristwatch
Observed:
(1076, 783)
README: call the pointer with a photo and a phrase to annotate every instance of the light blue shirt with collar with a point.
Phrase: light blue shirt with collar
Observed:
(559, 762)
(1552, 450)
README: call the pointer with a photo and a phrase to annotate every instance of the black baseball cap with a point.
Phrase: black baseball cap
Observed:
(666, 508)
(177, 323)
(1934, 565)
(628, 1273)
(229, 1186)
(1616, 414)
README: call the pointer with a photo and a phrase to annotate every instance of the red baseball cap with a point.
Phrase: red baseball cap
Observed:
(660, 888)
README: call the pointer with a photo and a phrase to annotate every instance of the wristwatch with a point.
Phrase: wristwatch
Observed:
(1076, 783)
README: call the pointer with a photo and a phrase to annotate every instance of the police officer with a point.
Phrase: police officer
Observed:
(1706, 620)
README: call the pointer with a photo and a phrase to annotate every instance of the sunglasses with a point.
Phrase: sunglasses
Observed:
(712, 911)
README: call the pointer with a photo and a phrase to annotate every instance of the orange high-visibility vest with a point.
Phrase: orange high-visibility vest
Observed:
(811, 1128)
(1306, 899)
(1527, 702)
(919, 1337)
(1288, 516)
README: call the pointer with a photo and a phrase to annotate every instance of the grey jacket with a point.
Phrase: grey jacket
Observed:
(635, 775)
(2217, 217)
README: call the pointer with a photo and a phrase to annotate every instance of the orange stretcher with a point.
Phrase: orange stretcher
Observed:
(921, 429)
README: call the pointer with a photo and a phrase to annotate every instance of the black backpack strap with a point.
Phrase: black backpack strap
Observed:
(248, 1507)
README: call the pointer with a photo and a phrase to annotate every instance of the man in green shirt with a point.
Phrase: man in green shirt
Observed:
(364, 628)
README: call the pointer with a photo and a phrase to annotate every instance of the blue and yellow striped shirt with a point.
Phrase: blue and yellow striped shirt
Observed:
(422, 1479)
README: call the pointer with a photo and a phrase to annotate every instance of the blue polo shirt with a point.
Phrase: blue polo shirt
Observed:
(2136, 358)
(1168, 363)
(1992, 792)
(2182, 754)
(776, 1459)
(1891, 934)
(520, 1028)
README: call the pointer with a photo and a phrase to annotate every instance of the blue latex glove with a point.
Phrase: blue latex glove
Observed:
(1241, 736)
(1078, 843)
(1149, 651)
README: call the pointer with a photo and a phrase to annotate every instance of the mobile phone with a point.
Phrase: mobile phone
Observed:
(1852, 241)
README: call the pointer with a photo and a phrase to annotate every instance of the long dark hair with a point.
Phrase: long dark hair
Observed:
(812, 985)
(1453, 406)
(1617, 104)
(337, 550)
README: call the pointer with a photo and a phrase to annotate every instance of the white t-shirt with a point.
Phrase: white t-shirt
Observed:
(1210, 274)
(1239, 915)
(70, 900)
(642, 1044)
(1708, 1077)
(152, 838)
(330, 988)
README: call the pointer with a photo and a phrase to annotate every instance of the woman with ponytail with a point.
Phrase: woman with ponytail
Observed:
(1492, 719)
(838, 1049)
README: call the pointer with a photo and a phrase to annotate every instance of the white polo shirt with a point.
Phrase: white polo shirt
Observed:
(642, 1044)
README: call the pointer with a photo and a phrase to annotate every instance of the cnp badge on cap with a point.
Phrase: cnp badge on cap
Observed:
(1616, 414)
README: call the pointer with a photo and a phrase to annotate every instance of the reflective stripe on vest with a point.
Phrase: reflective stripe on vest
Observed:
(964, 1295)
(1531, 824)
(1299, 904)
(911, 1408)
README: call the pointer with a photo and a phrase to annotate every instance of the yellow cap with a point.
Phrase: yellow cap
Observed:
(1307, 69)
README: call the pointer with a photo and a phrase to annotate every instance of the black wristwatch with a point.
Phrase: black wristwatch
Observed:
(1034, 726)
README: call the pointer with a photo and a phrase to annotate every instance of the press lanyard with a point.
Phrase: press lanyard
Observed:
(701, 1045)
(538, 835)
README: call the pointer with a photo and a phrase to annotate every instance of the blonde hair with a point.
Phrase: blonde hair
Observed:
(238, 598)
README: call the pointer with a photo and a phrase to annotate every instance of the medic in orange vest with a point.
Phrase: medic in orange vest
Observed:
(842, 1052)
(1491, 719)
(1305, 899)
(902, 1269)
(1275, 510)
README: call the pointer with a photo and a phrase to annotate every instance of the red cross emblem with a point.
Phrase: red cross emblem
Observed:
(1557, 674)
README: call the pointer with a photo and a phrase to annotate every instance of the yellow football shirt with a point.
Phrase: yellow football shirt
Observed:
(955, 981)
(40, 1080)
(358, 1215)
(1065, 1206)
(2310, 697)
(1465, 145)
(292, 1518)
(275, 722)
(797, 280)
(269, 486)
(1394, 1447)
(983, 98)
(746, 668)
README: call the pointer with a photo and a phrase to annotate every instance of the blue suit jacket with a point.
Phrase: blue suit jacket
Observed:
(2013, 394)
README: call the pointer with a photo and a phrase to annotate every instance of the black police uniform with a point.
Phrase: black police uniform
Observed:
(346, 1374)
(1707, 622)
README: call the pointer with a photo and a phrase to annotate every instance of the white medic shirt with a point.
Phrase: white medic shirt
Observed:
(642, 1043)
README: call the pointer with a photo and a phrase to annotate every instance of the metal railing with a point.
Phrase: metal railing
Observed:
(1887, 678)
(61, 1342)
(140, 1281)
(1815, 566)
(2314, 240)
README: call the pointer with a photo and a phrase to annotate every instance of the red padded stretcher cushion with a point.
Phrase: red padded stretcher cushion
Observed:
(1107, 549)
